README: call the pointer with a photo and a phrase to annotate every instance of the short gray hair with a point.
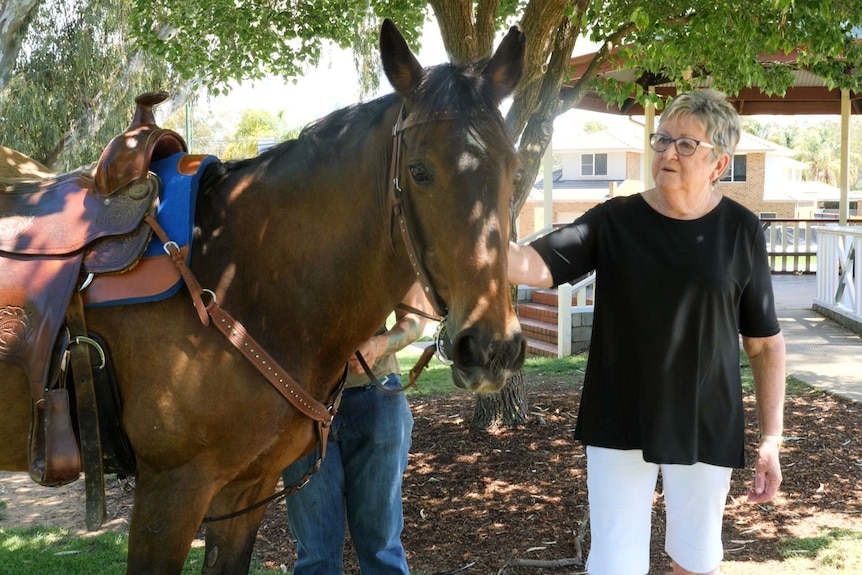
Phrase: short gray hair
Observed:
(713, 112)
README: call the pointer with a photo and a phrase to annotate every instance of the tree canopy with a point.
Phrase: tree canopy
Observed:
(72, 82)
(211, 43)
(223, 40)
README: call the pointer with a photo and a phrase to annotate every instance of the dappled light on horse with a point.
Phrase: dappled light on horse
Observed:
(309, 246)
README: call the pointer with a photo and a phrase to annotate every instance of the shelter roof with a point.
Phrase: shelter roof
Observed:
(808, 95)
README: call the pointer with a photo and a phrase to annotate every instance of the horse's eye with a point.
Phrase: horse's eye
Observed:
(420, 174)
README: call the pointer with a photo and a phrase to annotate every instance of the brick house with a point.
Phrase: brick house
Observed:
(592, 167)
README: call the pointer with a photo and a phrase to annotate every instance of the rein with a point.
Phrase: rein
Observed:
(437, 348)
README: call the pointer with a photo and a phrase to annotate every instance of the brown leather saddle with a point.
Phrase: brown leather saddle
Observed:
(54, 234)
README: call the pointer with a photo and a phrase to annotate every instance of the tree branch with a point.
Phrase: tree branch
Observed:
(540, 564)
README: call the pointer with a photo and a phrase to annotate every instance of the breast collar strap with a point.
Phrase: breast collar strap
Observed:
(396, 200)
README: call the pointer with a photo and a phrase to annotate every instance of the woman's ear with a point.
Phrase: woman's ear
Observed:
(720, 167)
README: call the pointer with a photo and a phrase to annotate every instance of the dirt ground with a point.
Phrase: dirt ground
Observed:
(476, 502)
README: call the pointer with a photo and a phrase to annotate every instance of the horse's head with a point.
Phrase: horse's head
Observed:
(454, 167)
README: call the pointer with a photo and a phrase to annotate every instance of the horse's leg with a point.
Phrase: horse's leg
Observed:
(230, 542)
(169, 507)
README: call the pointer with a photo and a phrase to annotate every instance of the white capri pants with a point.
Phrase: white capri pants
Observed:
(621, 486)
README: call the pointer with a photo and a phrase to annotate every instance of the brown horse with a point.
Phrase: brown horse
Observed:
(300, 245)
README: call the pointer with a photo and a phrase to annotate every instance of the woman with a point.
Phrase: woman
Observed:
(681, 273)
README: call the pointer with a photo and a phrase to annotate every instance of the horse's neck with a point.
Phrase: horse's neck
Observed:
(311, 265)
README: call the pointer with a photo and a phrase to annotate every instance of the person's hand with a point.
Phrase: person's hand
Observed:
(370, 350)
(767, 472)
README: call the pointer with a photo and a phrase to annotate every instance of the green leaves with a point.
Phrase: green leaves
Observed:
(684, 42)
(223, 40)
(73, 85)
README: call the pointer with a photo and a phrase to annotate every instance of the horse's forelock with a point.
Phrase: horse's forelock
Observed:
(459, 91)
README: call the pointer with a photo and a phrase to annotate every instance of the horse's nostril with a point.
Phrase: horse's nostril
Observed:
(468, 352)
(520, 344)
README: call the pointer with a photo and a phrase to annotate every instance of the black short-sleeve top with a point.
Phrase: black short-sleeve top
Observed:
(672, 298)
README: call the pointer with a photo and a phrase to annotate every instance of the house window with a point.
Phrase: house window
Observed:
(736, 169)
(594, 164)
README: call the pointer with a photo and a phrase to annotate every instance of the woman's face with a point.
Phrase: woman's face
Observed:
(673, 172)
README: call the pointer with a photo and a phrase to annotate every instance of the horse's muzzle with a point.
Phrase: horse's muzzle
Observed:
(483, 364)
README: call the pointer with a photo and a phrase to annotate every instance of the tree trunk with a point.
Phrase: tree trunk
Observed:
(507, 407)
(15, 18)
(551, 36)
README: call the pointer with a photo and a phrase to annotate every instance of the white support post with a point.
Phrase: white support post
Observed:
(844, 174)
(564, 320)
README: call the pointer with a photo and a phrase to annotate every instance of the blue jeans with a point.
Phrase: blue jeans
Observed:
(358, 484)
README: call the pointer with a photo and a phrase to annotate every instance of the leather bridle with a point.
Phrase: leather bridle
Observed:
(396, 201)
(275, 374)
(397, 214)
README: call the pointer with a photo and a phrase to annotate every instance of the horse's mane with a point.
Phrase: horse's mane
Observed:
(350, 124)
(451, 89)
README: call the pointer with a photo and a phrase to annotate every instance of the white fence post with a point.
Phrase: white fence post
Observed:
(564, 319)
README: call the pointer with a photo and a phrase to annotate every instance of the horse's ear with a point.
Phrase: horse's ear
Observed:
(401, 66)
(505, 67)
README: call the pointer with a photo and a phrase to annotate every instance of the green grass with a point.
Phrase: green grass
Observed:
(436, 379)
(41, 550)
(833, 551)
(50, 550)
(790, 262)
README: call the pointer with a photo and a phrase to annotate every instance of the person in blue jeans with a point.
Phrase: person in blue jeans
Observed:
(358, 484)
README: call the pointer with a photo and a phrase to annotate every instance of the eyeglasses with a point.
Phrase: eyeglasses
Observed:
(684, 146)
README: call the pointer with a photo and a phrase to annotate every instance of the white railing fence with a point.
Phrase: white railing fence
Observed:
(791, 245)
(571, 298)
(839, 271)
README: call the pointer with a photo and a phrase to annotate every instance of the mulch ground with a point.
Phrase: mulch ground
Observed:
(487, 502)
(479, 502)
